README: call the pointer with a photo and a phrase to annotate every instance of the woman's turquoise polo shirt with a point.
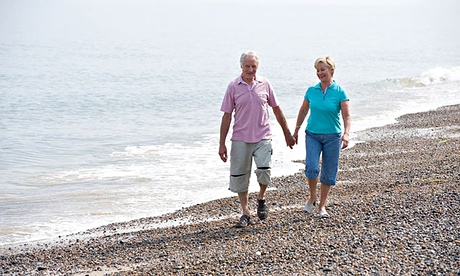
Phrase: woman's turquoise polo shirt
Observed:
(325, 109)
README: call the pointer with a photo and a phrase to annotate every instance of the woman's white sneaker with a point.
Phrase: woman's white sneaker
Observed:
(308, 208)
(323, 213)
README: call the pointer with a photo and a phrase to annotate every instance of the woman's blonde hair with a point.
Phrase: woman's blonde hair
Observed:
(328, 61)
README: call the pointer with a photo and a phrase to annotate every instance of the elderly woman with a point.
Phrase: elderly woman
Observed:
(323, 134)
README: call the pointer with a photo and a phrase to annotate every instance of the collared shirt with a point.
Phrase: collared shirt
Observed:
(325, 108)
(251, 118)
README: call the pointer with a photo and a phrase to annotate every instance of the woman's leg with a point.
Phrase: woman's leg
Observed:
(313, 151)
(324, 191)
(312, 184)
(329, 166)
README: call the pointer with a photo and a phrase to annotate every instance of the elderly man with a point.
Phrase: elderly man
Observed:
(249, 96)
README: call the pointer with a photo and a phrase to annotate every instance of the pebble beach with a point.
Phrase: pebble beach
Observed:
(394, 211)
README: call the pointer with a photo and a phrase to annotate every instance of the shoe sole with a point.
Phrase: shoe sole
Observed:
(262, 217)
(243, 226)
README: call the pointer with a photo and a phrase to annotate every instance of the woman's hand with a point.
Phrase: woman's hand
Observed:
(344, 140)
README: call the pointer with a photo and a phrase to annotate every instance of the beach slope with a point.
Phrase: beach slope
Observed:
(395, 211)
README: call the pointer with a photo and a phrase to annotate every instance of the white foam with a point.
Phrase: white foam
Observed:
(439, 75)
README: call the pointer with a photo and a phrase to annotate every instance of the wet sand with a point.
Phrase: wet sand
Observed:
(395, 211)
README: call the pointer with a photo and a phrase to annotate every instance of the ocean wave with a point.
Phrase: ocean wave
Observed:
(433, 76)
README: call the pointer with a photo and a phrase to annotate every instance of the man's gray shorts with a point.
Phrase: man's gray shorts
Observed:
(241, 163)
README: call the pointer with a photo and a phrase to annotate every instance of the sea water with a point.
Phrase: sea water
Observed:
(110, 110)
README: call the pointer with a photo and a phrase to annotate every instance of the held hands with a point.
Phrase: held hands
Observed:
(290, 140)
(344, 140)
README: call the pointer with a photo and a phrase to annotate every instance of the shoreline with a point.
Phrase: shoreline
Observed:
(394, 210)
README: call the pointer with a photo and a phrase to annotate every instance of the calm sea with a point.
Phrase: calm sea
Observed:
(109, 110)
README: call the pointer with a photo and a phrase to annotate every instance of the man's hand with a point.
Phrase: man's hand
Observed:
(223, 153)
(290, 140)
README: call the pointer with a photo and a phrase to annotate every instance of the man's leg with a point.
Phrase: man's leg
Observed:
(262, 208)
(244, 201)
(262, 190)
(240, 169)
(245, 219)
(262, 158)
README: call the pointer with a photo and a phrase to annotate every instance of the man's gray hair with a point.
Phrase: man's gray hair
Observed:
(248, 54)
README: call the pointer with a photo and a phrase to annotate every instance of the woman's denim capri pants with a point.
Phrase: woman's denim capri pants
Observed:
(328, 147)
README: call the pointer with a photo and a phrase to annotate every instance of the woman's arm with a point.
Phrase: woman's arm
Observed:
(345, 106)
(303, 111)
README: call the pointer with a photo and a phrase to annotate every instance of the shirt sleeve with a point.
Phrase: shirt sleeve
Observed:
(307, 94)
(343, 95)
(228, 103)
(272, 99)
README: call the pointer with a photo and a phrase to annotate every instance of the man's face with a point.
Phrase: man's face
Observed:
(250, 68)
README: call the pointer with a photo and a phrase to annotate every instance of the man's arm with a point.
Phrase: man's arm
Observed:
(290, 141)
(224, 128)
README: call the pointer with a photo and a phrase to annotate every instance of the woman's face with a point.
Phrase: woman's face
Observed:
(324, 72)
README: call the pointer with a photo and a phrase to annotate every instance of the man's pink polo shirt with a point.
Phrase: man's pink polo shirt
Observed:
(251, 120)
